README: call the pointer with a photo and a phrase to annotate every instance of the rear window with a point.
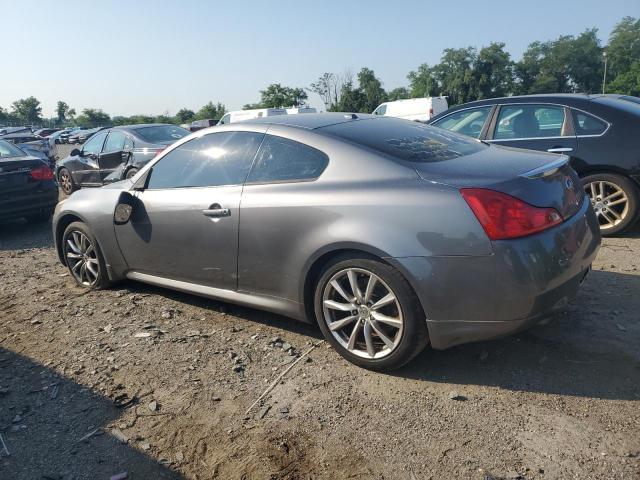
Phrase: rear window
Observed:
(410, 141)
(161, 133)
(8, 150)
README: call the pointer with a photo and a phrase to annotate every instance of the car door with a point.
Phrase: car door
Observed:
(468, 121)
(88, 172)
(544, 127)
(113, 153)
(184, 224)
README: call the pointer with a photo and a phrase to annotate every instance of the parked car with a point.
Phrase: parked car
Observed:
(30, 143)
(64, 136)
(81, 136)
(242, 115)
(45, 132)
(200, 124)
(418, 109)
(114, 154)
(389, 234)
(27, 186)
(600, 133)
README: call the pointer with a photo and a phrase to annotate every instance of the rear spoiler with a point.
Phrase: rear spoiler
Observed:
(546, 169)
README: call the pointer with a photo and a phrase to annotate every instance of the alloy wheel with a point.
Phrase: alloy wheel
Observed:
(362, 313)
(65, 181)
(609, 201)
(82, 258)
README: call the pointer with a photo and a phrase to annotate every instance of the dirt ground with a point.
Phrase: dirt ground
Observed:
(157, 384)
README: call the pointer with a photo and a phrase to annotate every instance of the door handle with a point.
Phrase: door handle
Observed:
(560, 150)
(216, 211)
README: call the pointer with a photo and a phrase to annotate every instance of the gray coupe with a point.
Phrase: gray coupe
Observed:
(391, 235)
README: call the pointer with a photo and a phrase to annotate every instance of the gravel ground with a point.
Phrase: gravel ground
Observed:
(157, 384)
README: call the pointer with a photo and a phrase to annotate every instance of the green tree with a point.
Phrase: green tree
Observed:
(351, 99)
(276, 96)
(92, 117)
(211, 111)
(399, 93)
(422, 82)
(371, 90)
(584, 62)
(27, 110)
(627, 83)
(184, 115)
(455, 76)
(493, 72)
(624, 46)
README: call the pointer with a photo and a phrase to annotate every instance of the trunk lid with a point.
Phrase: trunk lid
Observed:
(15, 173)
(539, 179)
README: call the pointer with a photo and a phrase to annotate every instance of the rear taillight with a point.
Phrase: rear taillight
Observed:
(503, 216)
(41, 173)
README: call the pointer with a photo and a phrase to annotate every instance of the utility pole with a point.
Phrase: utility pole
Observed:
(604, 78)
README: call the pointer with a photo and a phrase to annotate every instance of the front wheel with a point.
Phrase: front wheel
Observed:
(369, 313)
(83, 257)
(615, 200)
(66, 182)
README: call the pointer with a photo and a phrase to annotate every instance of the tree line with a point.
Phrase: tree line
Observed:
(567, 64)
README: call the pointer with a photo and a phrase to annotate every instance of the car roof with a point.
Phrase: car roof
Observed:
(309, 121)
(143, 125)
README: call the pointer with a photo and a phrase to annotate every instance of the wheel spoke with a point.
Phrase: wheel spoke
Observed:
(75, 267)
(601, 186)
(354, 335)
(594, 194)
(371, 284)
(614, 213)
(609, 220)
(613, 195)
(91, 270)
(336, 286)
(353, 281)
(617, 202)
(394, 322)
(73, 255)
(89, 250)
(343, 307)
(339, 324)
(387, 341)
(368, 340)
(72, 245)
(386, 300)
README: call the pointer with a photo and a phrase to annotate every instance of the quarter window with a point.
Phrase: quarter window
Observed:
(115, 142)
(212, 160)
(468, 122)
(529, 121)
(94, 144)
(586, 124)
(282, 160)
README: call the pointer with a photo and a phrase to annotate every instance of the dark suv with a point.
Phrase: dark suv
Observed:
(600, 133)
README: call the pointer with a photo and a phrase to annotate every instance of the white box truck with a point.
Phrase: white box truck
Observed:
(240, 115)
(419, 109)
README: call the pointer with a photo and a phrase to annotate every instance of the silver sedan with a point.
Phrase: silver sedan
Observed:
(389, 234)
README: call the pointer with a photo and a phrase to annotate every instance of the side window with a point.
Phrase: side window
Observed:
(529, 121)
(468, 122)
(282, 160)
(381, 110)
(115, 142)
(128, 143)
(94, 144)
(212, 160)
(224, 120)
(586, 124)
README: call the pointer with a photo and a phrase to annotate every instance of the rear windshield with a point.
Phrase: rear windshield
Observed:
(9, 150)
(161, 133)
(406, 140)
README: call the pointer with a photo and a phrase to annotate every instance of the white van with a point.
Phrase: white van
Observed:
(295, 110)
(421, 109)
(240, 115)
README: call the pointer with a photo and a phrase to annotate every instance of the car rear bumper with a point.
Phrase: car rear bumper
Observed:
(468, 299)
(19, 204)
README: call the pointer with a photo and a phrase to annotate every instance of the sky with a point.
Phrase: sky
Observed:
(151, 57)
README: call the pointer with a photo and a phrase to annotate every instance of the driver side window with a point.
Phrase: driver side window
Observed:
(94, 144)
(467, 122)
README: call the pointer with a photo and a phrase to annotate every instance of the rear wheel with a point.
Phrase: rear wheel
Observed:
(83, 257)
(369, 313)
(66, 182)
(615, 200)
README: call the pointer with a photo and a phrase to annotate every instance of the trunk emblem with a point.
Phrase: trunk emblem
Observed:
(569, 183)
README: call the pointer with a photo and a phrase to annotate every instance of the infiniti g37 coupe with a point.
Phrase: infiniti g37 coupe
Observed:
(600, 133)
(390, 234)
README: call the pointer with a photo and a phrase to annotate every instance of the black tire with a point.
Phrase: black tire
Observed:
(413, 337)
(101, 279)
(65, 180)
(131, 172)
(629, 213)
(42, 217)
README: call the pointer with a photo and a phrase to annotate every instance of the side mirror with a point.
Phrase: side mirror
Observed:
(124, 208)
(76, 153)
(143, 182)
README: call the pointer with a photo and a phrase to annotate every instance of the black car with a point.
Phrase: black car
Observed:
(200, 124)
(81, 136)
(600, 134)
(27, 185)
(115, 154)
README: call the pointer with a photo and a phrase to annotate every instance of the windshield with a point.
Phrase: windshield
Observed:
(410, 141)
(9, 150)
(161, 133)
